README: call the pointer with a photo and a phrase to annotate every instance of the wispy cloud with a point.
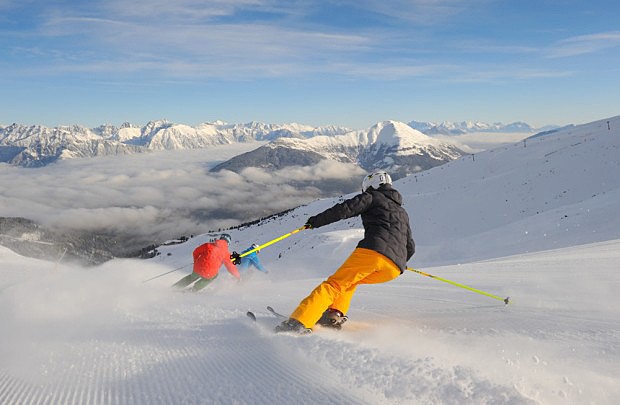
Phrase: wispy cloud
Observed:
(198, 48)
(585, 44)
(276, 50)
(5, 4)
(425, 12)
(241, 39)
(196, 10)
(500, 75)
(228, 39)
(491, 47)
(392, 71)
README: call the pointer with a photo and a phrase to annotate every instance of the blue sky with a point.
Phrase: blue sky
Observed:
(349, 63)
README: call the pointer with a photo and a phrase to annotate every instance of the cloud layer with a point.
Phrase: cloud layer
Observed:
(162, 194)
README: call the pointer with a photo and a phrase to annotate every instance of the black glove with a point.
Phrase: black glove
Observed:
(235, 257)
(310, 223)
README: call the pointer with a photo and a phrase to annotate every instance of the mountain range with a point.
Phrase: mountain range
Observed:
(389, 145)
(36, 145)
(464, 127)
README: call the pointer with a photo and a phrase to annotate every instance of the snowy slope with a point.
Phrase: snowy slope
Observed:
(537, 223)
(105, 337)
(543, 193)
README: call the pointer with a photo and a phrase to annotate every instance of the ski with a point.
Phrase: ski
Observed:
(355, 326)
(272, 311)
(280, 317)
(276, 314)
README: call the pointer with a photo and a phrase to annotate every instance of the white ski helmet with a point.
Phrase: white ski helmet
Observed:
(226, 237)
(254, 246)
(375, 180)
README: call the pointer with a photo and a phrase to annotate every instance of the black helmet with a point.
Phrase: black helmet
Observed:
(226, 237)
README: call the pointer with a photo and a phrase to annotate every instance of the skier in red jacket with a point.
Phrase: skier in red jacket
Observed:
(208, 258)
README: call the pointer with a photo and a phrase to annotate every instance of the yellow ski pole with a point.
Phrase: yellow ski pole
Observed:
(459, 285)
(271, 242)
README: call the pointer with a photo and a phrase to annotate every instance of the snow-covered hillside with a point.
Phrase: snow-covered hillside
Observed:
(536, 221)
(541, 193)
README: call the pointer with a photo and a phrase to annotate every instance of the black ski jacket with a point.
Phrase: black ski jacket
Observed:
(386, 223)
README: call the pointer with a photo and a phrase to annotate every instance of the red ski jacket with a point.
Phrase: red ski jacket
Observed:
(209, 257)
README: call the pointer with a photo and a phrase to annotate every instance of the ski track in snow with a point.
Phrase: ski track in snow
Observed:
(203, 365)
(414, 340)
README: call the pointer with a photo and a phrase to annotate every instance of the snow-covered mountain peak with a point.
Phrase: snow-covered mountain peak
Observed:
(387, 133)
(154, 126)
(388, 145)
(217, 123)
(395, 133)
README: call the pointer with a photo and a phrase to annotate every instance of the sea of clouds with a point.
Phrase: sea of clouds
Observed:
(163, 194)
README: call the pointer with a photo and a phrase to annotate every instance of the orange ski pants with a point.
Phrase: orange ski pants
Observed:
(364, 266)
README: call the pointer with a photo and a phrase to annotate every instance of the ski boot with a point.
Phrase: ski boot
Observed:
(332, 318)
(292, 326)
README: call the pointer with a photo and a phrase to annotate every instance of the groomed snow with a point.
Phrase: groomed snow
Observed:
(536, 222)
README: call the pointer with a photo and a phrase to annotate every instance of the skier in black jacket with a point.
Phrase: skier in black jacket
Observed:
(380, 257)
